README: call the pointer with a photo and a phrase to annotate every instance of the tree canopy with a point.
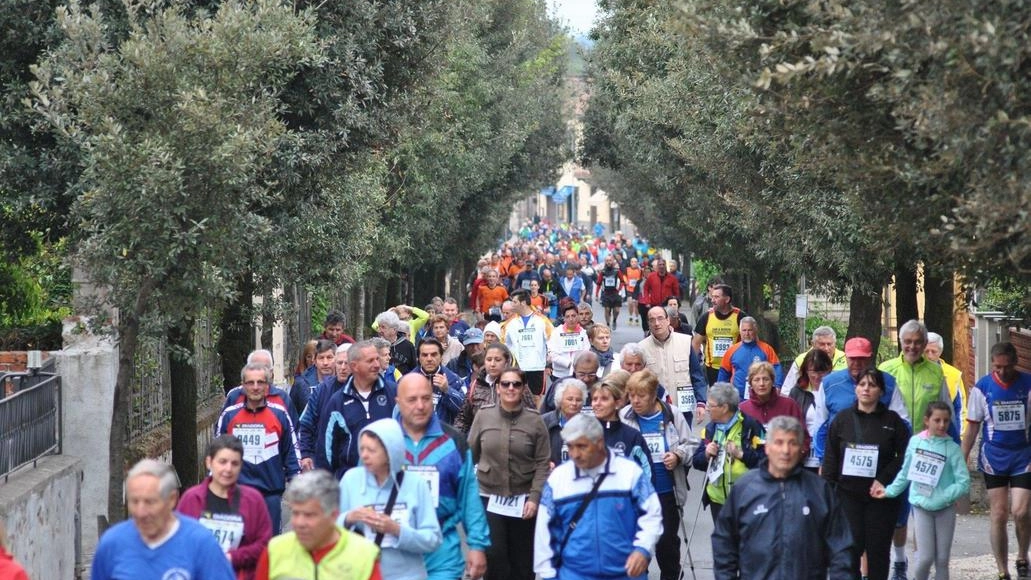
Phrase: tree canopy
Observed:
(844, 141)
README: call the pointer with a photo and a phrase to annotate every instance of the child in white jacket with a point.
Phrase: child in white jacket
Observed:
(937, 476)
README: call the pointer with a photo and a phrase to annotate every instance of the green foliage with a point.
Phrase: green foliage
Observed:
(1005, 295)
(816, 319)
(840, 140)
(703, 271)
(178, 127)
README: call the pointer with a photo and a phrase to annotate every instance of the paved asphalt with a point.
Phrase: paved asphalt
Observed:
(971, 553)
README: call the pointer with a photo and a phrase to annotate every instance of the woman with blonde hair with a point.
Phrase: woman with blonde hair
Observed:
(606, 401)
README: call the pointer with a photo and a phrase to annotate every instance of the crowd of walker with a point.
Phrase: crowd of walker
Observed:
(516, 422)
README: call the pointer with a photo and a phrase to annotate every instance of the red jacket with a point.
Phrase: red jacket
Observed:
(776, 406)
(9, 569)
(657, 289)
(257, 525)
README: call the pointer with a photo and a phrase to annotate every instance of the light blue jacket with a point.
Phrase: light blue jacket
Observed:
(420, 531)
(955, 478)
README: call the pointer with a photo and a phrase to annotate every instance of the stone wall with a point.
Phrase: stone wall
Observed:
(41, 507)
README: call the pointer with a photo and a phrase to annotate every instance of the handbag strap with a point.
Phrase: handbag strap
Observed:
(576, 517)
(390, 503)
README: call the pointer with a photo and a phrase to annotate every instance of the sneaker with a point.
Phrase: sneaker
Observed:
(899, 571)
(1004, 576)
(1022, 569)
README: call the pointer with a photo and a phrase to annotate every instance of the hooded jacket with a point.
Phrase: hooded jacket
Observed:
(401, 557)
(790, 529)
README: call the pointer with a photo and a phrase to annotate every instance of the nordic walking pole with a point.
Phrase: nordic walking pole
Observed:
(683, 530)
(699, 510)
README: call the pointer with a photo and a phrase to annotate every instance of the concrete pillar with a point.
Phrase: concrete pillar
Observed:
(88, 366)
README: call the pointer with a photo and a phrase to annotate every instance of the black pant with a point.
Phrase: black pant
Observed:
(711, 374)
(873, 524)
(535, 381)
(642, 310)
(714, 509)
(510, 555)
(667, 549)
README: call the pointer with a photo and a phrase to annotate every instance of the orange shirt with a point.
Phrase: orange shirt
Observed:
(539, 302)
(633, 278)
(489, 297)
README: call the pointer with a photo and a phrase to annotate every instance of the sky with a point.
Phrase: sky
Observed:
(577, 14)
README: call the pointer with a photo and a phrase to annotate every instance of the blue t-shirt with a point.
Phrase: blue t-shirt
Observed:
(192, 553)
(662, 479)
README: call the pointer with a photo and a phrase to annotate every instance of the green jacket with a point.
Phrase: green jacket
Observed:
(919, 384)
(353, 558)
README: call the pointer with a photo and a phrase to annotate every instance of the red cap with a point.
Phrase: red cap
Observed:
(858, 347)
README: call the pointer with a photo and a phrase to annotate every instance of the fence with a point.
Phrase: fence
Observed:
(151, 386)
(30, 419)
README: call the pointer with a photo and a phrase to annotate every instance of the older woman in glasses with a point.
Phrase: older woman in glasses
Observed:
(512, 450)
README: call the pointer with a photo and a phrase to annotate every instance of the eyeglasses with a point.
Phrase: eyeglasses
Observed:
(584, 376)
(254, 383)
(511, 384)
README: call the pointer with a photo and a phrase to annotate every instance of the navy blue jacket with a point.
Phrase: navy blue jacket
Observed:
(312, 426)
(345, 416)
(447, 405)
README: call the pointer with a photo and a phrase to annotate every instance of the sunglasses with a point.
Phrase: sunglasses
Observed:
(511, 384)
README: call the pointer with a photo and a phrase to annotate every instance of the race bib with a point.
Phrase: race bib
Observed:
(716, 467)
(720, 345)
(571, 339)
(526, 285)
(507, 506)
(1008, 415)
(610, 281)
(227, 529)
(686, 399)
(526, 337)
(926, 468)
(431, 476)
(587, 410)
(399, 514)
(860, 460)
(253, 438)
(656, 446)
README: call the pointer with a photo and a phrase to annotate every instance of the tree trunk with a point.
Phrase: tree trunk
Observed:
(905, 295)
(864, 317)
(128, 342)
(939, 299)
(360, 312)
(235, 336)
(787, 325)
(184, 402)
(393, 293)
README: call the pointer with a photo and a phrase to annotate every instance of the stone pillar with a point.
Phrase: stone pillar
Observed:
(88, 366)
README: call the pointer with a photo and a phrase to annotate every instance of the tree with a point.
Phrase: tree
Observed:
(177, 127)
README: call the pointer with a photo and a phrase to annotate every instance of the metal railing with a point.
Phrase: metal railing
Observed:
(30, 419)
